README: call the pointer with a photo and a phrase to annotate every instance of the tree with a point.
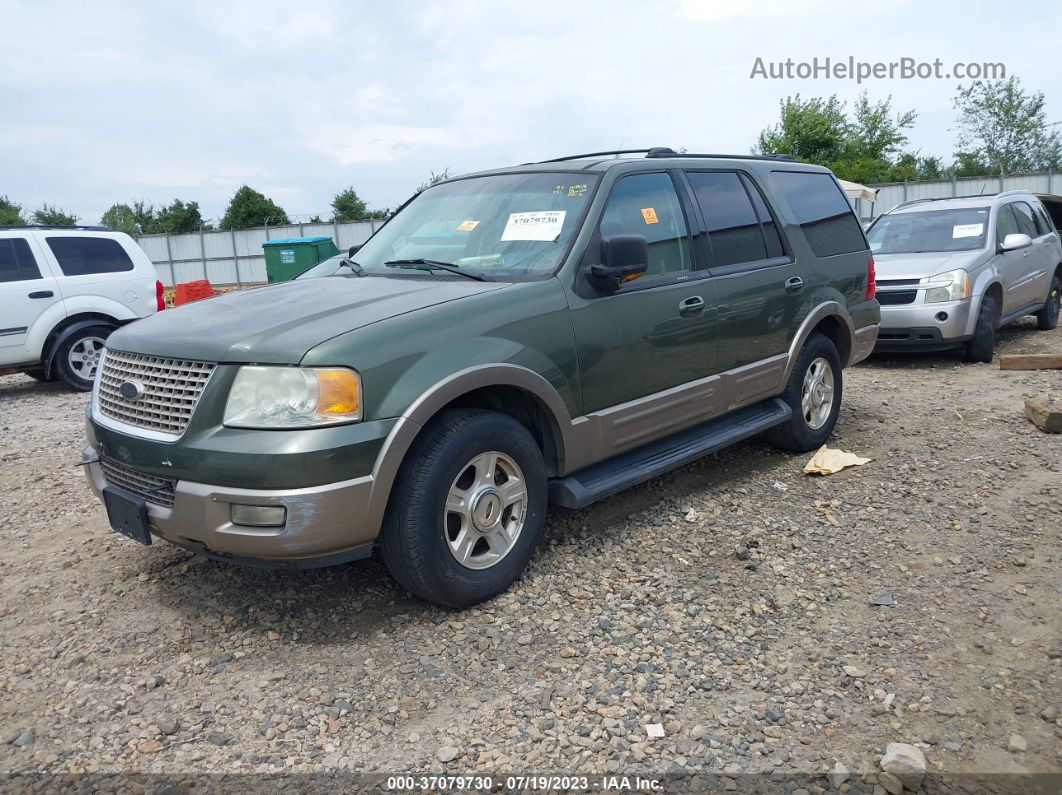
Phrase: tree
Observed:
(864, 146)
(1004, 129)
(249, 208)
(178, 217)
(48, 215)
(10, 213)
(135, 219)
(434, 179)
(348, 207)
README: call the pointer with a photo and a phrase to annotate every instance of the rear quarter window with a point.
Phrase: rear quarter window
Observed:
(81, 256)
(822, 210)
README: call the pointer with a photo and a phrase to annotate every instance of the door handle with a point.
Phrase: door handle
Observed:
(692, 306)
(42, 294)
(794, 284)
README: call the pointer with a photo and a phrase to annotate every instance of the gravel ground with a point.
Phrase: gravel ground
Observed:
(730, 602)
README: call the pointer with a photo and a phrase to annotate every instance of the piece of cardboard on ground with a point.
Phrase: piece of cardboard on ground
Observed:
(827, 461)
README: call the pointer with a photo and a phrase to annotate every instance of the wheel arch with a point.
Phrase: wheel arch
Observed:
(831, 319)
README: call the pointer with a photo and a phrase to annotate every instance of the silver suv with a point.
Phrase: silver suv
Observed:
(952, 271)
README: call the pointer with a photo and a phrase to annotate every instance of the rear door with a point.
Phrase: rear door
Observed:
(758, 284)
(27, 291)
(95, 267)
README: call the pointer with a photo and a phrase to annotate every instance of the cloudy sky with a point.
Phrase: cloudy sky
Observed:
(112, 101)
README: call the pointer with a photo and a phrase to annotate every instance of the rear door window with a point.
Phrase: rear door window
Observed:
(17, 262)
(733, 226)
(82, 256)
(772, 237)
(822, 210)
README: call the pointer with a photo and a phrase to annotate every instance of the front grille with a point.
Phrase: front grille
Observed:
(170, 390)
(152, 488)
(897, 297)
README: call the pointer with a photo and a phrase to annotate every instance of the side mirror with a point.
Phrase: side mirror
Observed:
(1013, 242)
(354, 250)
(622, 256)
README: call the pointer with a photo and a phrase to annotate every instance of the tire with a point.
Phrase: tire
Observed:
(982, 345)
(1047, 318)
(77, 357)
(429, 525)
(818, 364)
(38, 375)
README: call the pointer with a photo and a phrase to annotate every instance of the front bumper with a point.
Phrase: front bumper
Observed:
(925, 326)
(324, 524)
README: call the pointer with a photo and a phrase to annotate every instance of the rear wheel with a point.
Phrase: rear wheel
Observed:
(814, 394)
(982, 345)
(467, 510)
(1047, 318)
(77, 357)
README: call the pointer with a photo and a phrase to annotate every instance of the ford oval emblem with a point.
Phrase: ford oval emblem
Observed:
(131, 390)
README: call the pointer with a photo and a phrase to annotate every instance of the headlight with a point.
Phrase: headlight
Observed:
(293, 397)
(950, 286)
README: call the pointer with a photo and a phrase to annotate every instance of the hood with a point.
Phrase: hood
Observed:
(280, 323)
(917, 266)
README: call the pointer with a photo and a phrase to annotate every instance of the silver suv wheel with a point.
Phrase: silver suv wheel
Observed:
(84, 356)
(816, 397)
(485, 508)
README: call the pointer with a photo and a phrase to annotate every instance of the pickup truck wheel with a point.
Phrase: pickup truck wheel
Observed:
(814, 394)
(77, 358)
(982, 345)
(467, 510)
(1047, 318)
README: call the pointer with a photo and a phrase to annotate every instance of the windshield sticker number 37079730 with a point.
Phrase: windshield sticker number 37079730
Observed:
(539, 225)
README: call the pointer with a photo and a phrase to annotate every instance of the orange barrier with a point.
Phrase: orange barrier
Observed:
(192, 291)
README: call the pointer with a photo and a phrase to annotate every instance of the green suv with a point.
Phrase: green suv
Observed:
(549, 333)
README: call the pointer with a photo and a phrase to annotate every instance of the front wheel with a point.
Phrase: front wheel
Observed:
(467, 510)
(1047, 318)
(982, 345)
(813, 392)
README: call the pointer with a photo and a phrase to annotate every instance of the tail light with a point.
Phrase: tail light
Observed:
(160, 299)
(872, 280)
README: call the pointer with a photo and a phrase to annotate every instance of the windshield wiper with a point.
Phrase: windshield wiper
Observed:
(434, 264)
(355, 267)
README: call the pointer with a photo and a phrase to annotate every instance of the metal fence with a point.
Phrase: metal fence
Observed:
(893, 193)
(234, 256)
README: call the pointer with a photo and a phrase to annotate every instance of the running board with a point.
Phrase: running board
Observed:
(629, 469)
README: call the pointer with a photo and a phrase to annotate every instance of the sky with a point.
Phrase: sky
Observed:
(106, 101)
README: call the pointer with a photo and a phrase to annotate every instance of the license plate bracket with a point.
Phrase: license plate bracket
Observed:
(127, 514)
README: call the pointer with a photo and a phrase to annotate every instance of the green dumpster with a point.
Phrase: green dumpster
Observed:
(287, 257)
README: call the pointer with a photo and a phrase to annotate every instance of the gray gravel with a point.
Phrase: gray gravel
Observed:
(766, 621)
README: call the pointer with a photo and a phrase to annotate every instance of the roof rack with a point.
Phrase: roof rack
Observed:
(909, 202)
(666, 151)
(86, 228)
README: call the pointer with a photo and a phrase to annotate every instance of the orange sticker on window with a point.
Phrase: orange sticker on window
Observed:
(468, 226)
(649, 214)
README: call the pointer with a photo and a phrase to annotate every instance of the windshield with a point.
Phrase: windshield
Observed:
(931, 230)
(506, 226)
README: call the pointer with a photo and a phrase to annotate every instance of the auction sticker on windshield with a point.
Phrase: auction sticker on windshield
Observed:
(966, 230)
(539, 225)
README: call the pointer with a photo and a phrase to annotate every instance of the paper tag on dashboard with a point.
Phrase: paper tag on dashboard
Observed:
(967, 230)
(539, 225)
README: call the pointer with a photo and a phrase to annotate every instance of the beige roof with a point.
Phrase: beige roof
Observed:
(856, 191)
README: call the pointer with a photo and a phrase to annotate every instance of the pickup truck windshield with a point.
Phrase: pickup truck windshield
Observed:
(932, 230)
(501, 226)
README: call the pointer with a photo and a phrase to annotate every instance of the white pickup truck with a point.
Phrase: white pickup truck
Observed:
(63, 290)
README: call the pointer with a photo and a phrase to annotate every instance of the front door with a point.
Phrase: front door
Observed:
(657, 331)
(25, 293)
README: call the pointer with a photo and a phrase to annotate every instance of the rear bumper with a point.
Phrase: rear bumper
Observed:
(324, 524)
